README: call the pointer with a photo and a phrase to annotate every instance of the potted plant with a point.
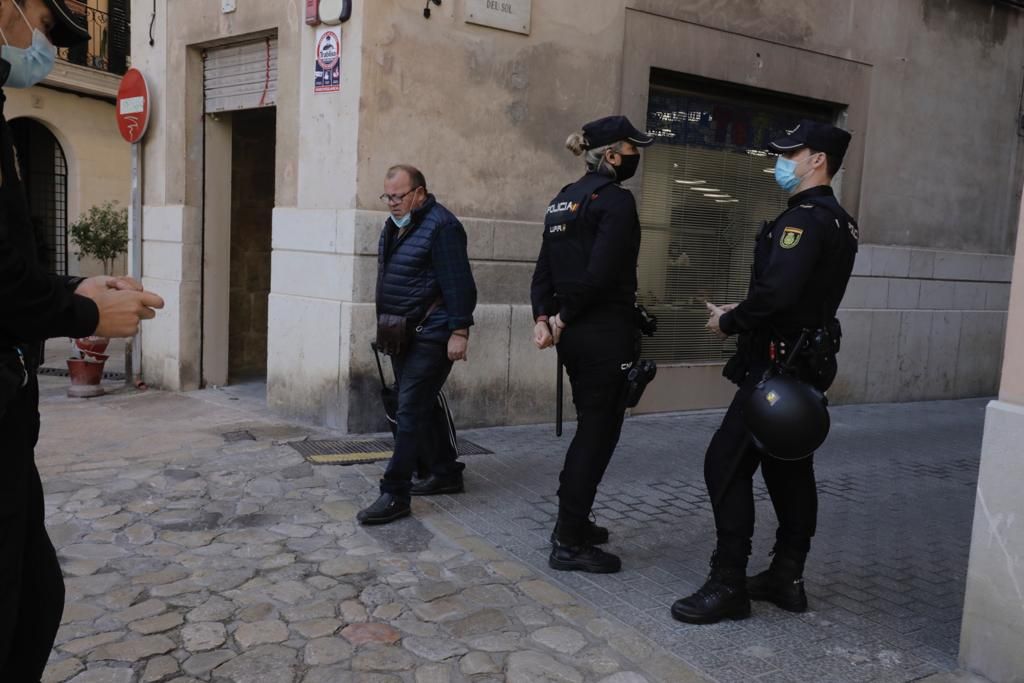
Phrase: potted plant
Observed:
(101, 233)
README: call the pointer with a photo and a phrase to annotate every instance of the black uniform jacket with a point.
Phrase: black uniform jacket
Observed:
(802, 264)
(34, 304)
(590, 249)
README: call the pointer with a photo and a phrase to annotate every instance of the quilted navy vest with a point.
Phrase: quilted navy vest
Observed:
(406, 283)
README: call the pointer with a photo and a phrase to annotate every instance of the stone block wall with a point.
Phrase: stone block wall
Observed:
(922, 324)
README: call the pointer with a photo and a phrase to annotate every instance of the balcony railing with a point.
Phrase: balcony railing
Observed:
(109, 46)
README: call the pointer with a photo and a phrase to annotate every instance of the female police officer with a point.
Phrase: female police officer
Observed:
(583, 295)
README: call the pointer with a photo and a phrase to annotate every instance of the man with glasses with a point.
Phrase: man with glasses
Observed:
(425, 300)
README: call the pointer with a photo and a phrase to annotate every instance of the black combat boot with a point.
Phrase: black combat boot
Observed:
(782, 584)
(592, 533)
(571, 550)
(723, 596)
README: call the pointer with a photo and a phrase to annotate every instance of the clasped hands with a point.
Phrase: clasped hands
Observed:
(547, 331)
(122, 303)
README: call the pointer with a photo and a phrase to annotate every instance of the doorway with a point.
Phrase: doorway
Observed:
(240, 186)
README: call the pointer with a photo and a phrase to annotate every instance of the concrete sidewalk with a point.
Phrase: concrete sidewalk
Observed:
(194, 558)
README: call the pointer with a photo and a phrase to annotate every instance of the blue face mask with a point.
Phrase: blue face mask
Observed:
(29, 65)
(403, 221)
(785, 174)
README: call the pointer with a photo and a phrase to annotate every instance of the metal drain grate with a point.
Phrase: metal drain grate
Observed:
(362, 451)
(62, 372)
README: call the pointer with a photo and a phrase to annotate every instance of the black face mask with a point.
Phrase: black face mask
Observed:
(627, 169)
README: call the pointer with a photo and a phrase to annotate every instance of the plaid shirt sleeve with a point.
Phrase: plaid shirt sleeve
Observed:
(451, 266)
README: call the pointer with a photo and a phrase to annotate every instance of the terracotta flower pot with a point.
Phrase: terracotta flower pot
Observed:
(93, 344)
(86, 376)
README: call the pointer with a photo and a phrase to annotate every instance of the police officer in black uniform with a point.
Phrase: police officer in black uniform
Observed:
(35, 305)
(802, 264)
(583, 295)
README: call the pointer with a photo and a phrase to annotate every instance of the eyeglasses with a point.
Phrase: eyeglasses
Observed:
(396, 198)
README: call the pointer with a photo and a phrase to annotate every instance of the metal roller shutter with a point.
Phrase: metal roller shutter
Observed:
(240, 76)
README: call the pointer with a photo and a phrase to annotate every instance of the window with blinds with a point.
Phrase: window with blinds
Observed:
(708, 185)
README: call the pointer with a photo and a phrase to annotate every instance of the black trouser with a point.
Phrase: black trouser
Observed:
(31, 585)
(439, 454)
(594, 351)
(729, 467)
(421, 373)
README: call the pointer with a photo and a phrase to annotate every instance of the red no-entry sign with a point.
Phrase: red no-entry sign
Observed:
(133, 106)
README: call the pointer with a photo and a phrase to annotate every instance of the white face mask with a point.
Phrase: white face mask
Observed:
(29, 65)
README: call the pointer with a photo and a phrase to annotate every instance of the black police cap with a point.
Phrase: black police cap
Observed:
(69, 27)
(613, 129)
(821, 137)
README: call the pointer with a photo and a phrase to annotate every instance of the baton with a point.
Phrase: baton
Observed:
(559, 389)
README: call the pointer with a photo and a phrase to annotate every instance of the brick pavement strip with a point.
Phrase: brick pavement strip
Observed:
(198, 559)
(885, 576)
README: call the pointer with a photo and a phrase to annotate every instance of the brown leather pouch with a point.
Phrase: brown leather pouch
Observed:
(393, 333)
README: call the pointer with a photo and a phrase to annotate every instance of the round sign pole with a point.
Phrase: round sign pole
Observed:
(133, 112)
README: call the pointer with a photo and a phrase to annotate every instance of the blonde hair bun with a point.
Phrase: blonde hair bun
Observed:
(576, 143)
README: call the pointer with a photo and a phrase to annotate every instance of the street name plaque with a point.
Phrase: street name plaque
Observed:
(507, 15)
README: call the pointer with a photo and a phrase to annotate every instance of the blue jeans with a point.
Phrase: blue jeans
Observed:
(421, 373)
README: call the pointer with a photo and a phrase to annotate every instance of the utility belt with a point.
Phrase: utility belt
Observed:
(815, 358)
(815, 361)
(15, 366)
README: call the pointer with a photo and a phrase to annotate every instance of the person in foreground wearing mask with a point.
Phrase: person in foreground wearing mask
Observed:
(802, 264)
(425, 301)
(36, 305)
(584, 295)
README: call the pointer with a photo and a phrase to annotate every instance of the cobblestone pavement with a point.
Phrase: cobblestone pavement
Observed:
(192, 558)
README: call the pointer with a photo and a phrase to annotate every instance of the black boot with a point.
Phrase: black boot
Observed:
(387, 508)
(782, 584)
(435, 485)
(572, 552)
(723, 596)
(592, 534)
(582, 558)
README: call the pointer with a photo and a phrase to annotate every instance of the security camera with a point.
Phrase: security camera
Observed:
(426, 10)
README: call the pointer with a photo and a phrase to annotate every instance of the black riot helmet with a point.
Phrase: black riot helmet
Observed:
(787, 419)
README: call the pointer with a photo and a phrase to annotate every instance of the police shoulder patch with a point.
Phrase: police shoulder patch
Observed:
(790, 237)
